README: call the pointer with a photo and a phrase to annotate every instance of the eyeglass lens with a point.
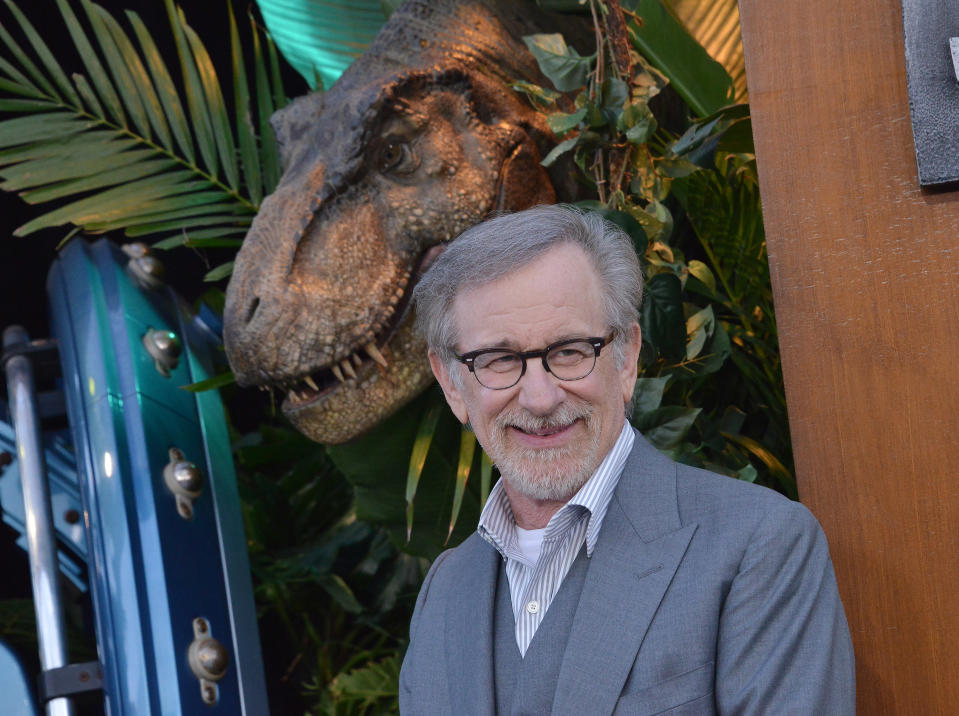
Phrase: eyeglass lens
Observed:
(502, 369)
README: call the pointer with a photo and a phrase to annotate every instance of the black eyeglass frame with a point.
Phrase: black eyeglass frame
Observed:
(598, 343)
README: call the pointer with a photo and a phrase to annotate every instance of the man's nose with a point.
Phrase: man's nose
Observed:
(539, 391)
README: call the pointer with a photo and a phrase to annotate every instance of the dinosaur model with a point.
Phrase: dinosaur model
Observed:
(422, 137)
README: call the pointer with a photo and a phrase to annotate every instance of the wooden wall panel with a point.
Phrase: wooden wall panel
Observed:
(865, 271)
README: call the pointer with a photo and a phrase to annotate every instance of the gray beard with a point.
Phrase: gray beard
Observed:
(553, 474)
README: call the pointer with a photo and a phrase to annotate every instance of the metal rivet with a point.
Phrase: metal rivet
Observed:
(71, 517)
(165, 348)
(185, 480)
(208, 660)
(145, 268)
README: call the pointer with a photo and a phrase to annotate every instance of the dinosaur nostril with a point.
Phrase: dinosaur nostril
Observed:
(254, 304)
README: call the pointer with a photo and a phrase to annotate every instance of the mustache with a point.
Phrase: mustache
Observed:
(566, 414)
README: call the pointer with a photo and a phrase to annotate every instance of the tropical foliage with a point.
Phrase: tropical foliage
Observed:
(130, 145)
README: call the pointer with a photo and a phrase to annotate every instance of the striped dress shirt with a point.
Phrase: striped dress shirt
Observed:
(533, 586)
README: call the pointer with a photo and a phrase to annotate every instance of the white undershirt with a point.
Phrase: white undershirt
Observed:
(530, 543)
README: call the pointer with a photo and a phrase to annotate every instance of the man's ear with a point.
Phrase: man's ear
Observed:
(629, 371)
(453, 396)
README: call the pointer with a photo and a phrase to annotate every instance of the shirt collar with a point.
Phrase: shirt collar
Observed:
(496, 523)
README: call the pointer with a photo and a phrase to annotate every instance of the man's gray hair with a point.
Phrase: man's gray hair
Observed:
(501, 245)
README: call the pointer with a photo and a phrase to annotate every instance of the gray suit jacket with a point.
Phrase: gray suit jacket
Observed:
(703, 595)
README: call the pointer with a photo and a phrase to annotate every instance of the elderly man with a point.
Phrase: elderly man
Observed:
(604, 578)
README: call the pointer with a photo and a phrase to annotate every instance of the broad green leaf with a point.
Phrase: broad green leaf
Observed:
(217, 108)
(772, 463)
(467, 448)
(702, 273)
(367, 686)
(249, 158)
(637, 122)
(562, 64)
(561, 122)
(699, 328)
(150, 103)
(622, 219)
(220, 272)
(662, 316)
(196, 98)
(166, 91)
(648, 393)
(125, 84)
(217, 381)
(104, 88)
(538, 96)
(701, 81)
(666, 427)
(421, 447)
(46, 57)
(557, 151)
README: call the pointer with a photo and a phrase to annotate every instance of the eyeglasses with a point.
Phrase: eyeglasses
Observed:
(500, 368)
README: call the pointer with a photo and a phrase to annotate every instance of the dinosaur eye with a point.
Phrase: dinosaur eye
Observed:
(396, 156)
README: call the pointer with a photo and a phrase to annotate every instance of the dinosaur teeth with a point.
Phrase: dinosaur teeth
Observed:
(357, 361)
(338, 373)
(375, 354)
(347, 368)
(312, 383)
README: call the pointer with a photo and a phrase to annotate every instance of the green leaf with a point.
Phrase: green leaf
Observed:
(220, 272)
(126, 86)
(622, 219)
(637, 122)
(557, 151)
(195, 96)
(340, 592)
(421, 447)
(772, 463)
(121, 175)
(539, 96)
(701, 81)
(264, 109)
(368, 686)
(213, 98)
(561, 64)
(46, 57)
(130, 60)
(104, 88)
(217, 381)
(165, 89)
(249, 158)
(467, 448)
(699, 328)
(648, 393)
(560, 122)
(662, 316)
(666, 427)
(41, 82)
(703, 274)
(37, 128)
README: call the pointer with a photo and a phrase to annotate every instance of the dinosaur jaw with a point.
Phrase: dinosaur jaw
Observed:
(336, 411)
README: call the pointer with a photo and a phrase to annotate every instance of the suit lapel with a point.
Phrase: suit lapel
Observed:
(641, 545)
(469, 633)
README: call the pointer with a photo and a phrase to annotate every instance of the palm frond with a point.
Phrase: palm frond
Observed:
(115, 148)
(715, 25)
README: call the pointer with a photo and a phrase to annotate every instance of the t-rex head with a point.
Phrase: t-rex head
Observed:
(421, 138)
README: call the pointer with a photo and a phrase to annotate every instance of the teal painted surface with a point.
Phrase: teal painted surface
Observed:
(320, 38)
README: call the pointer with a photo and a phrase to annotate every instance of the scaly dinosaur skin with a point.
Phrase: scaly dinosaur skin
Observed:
(421, 138)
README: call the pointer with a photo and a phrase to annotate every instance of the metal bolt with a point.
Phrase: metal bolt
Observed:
(165, 348)
(188, 476)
